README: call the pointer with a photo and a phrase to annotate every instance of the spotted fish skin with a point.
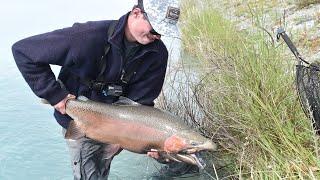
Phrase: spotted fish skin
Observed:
(134, 127)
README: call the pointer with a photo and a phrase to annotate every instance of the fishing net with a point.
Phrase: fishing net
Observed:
(308, 87)
(307, 83)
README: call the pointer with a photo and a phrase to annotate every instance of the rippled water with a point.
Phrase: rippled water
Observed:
(31, 144)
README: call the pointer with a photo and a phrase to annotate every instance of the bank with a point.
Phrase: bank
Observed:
(251, 108)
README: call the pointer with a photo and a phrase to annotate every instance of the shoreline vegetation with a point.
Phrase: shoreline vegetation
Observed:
(247, 98)
(306, 3)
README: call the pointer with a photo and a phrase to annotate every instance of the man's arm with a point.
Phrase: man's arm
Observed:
(33, 56)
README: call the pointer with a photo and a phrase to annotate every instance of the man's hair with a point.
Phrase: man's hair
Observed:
(135, 6)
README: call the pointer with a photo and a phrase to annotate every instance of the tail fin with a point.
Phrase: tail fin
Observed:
(44, 101)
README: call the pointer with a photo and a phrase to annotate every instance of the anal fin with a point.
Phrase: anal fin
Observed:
(111, 150)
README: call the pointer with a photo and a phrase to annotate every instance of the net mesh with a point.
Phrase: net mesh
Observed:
(308, 86)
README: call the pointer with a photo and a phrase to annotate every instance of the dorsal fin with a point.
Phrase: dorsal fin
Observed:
(83, 98)
(124, 101)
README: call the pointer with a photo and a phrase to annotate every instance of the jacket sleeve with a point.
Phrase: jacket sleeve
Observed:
(33, 56)
(148, 88)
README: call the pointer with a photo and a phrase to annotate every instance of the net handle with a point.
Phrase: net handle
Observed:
(282, 33)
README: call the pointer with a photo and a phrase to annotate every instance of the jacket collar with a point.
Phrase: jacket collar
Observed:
(117, 38)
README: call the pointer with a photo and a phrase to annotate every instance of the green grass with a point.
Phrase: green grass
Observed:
(253, 106)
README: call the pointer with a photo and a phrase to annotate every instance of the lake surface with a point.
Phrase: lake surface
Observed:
(31, 143)
(32, 146)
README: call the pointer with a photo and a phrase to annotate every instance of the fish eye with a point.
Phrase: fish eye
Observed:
(194, 143)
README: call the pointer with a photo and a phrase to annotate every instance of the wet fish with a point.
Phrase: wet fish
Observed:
(136, 128)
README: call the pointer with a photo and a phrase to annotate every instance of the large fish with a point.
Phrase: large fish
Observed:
(136, 128)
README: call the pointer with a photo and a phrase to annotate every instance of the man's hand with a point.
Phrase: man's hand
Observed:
(61, 106)
(155, 154)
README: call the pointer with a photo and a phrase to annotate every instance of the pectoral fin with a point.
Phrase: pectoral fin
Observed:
(74, 131)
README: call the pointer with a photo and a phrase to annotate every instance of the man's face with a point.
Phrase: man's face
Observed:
(140, 28)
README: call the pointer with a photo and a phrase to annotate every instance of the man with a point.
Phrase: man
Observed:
(100, 60)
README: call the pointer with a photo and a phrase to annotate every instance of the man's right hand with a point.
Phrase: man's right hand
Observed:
(153, 154)
(156, 155)
(61, 106)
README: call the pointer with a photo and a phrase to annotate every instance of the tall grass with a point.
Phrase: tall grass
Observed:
(251, 103)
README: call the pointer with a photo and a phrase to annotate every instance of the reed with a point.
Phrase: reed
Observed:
(304, 3)
(247, 96)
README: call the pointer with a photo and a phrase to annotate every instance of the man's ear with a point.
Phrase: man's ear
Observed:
(136, 11)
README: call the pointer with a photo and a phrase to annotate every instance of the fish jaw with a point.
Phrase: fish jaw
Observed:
(186, 158)
(192, 159)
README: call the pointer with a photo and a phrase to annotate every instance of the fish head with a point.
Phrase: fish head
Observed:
(188, 142)
(186, 146)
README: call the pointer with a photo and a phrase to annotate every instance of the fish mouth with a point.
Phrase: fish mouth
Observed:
(191, 154)
(193, 159)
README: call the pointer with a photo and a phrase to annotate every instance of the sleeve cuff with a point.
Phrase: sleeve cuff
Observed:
(57, 96)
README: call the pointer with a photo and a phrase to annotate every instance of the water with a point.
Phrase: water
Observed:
(31, 144)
